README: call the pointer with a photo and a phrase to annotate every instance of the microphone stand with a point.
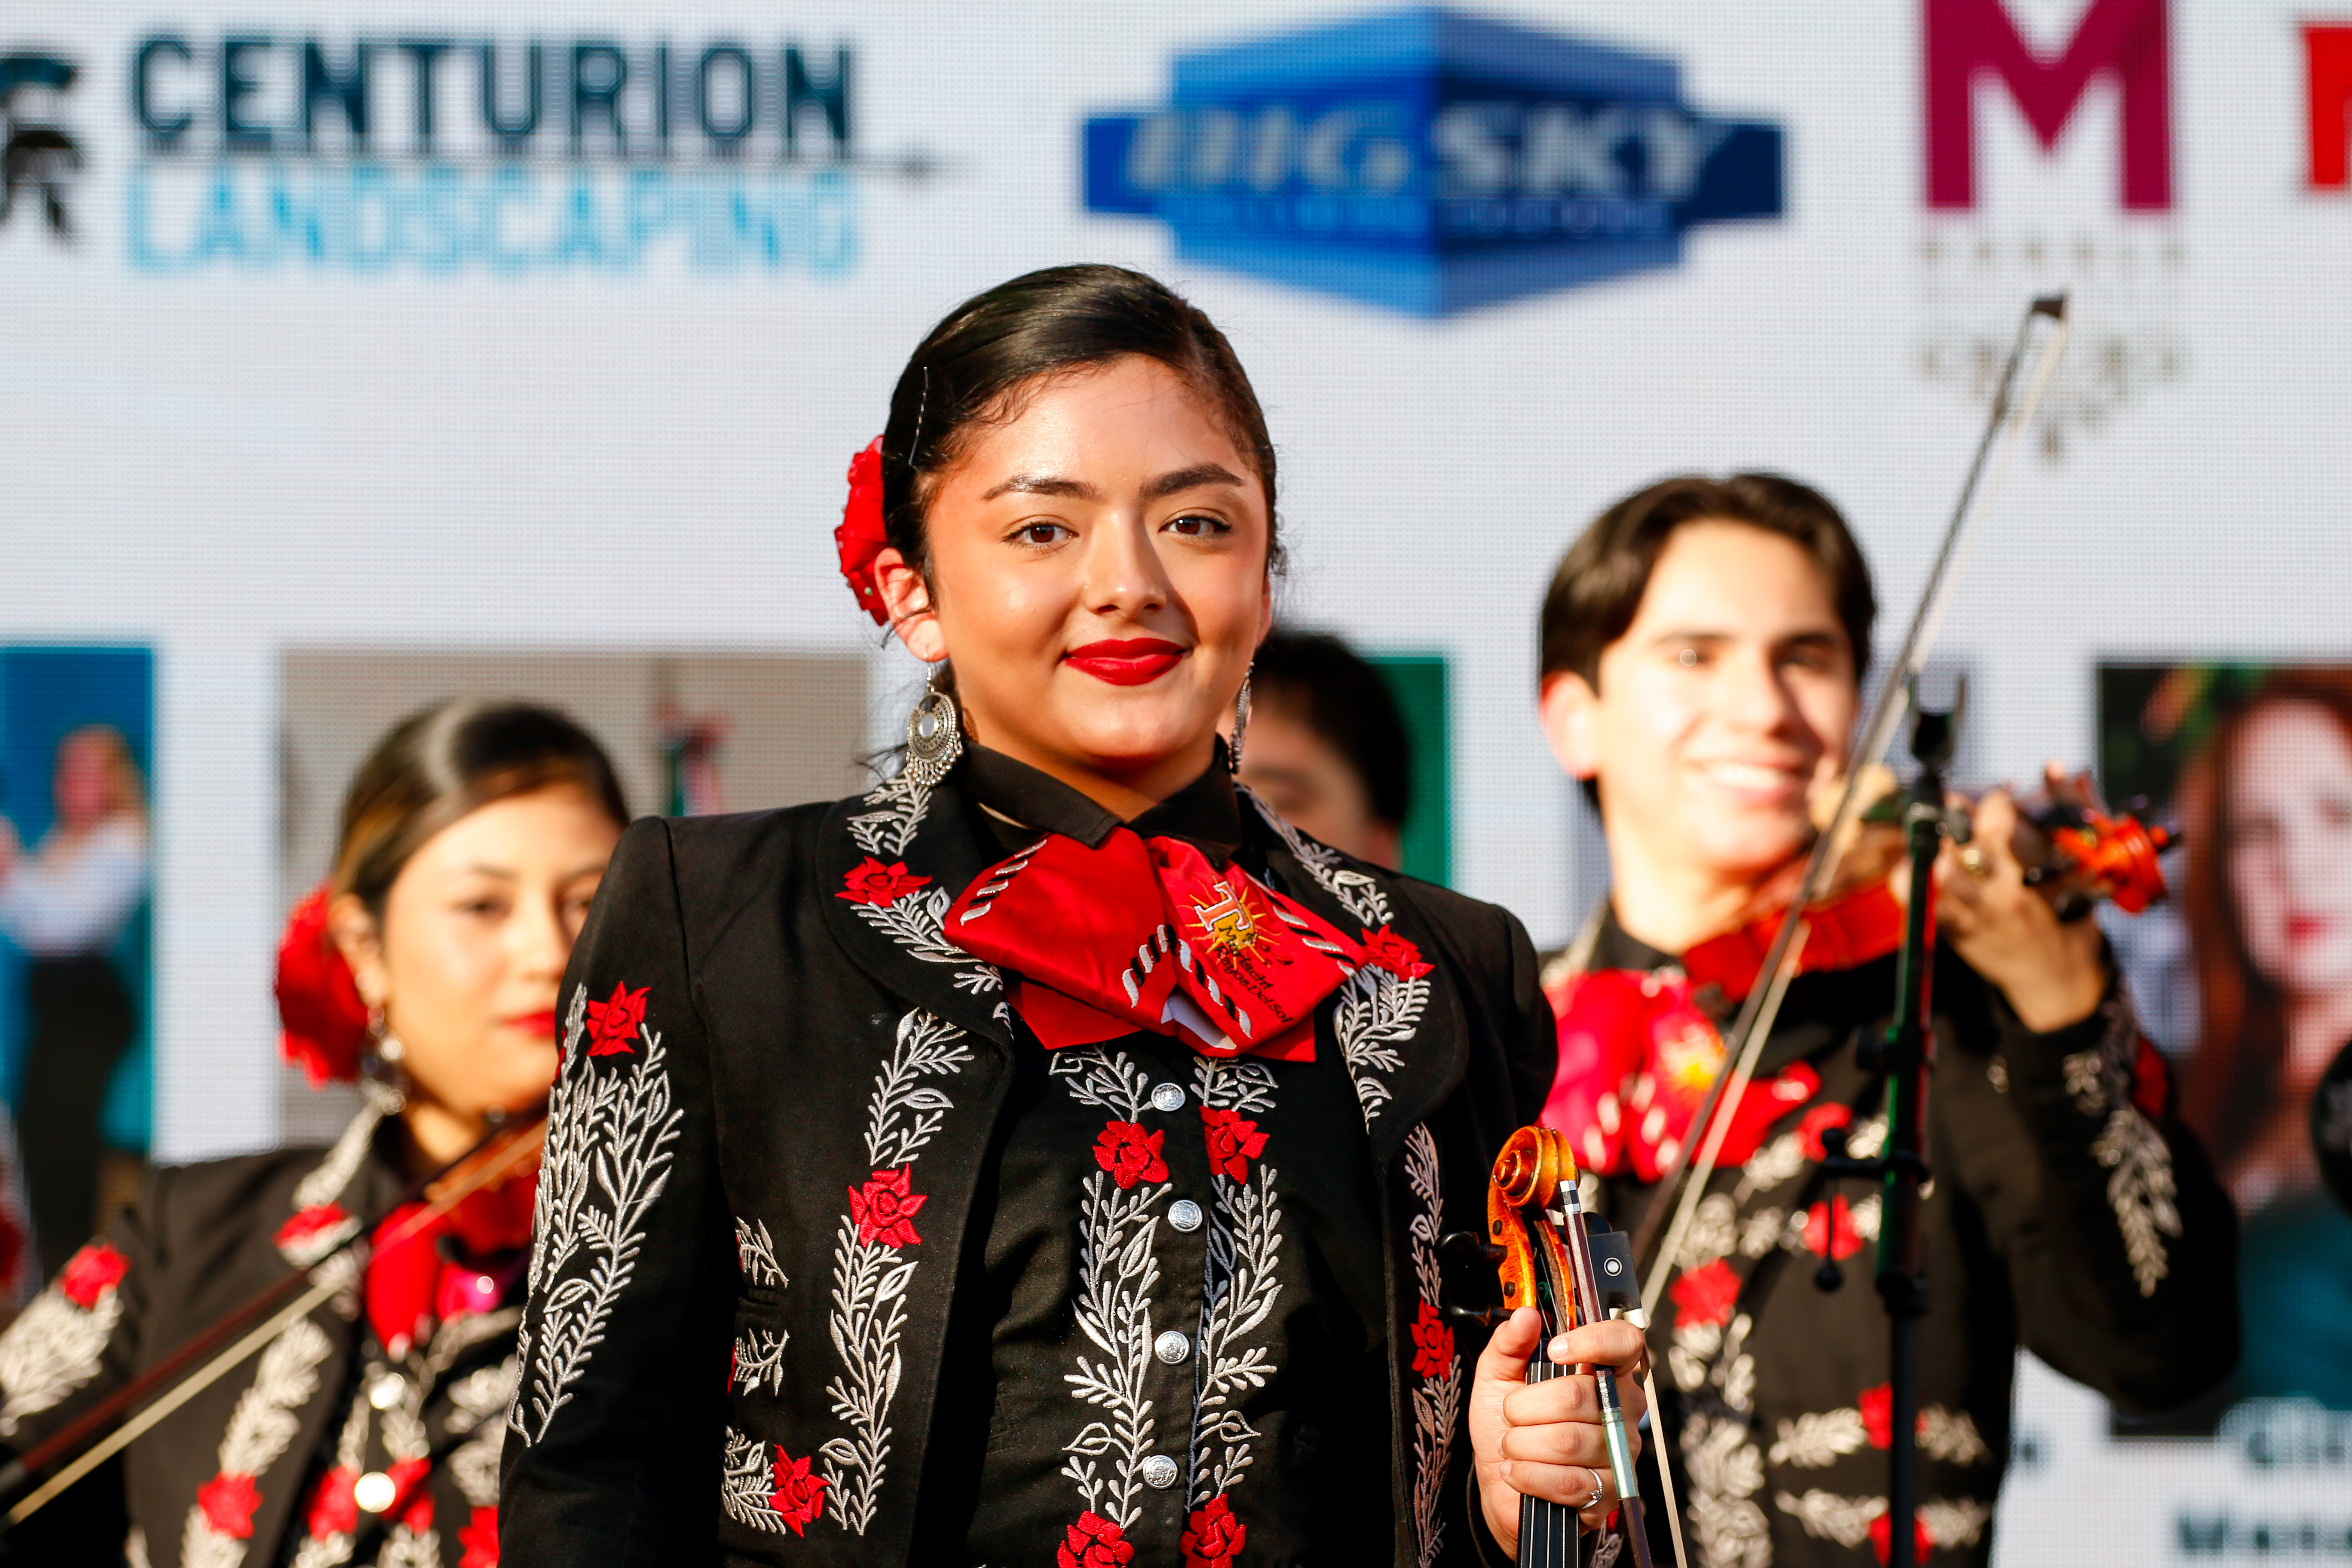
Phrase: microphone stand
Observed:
(1905, 1055)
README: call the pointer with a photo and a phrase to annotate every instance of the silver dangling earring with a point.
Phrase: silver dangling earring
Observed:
(383, 1080)
(1241, 725)
(934, 734)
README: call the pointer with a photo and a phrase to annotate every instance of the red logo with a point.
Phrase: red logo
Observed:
(2127, 40)
(2327, 62)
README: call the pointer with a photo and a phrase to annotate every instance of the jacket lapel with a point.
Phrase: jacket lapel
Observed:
(1401, 1034)
(893, 860)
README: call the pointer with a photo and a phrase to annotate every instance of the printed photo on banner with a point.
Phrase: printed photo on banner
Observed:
(77, 758)
(689, 732)
(2247, 976)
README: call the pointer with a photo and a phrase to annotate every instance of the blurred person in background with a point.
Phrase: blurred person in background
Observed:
(1327, 747)
(67, 903)
(427, 966)
(1702, 648)
(2268, 900)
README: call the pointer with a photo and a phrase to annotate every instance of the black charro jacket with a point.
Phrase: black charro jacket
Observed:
(233, 1477)
(747, 1047)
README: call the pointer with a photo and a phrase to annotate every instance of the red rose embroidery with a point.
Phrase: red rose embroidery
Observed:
(1394, 954)
(318, 1006)
(92, 1273)
(1094, 1543)
(885, 1210)
(227, 1502)
(1706, 1295)
(613, 1022)
(1882, 1537)
(1213, 1536)
(1130, 1155)
(872, 882)
(1878, 1407)
(1828, 1230)
(1432, 1344)
(861, 537)
(333, 1511)
(1233, 1142)
(799, 1496)
(418, 1515)
(480, 1537)
(410, 1501)
(1818, 1120)
(2151, 1080)
(307, 1231)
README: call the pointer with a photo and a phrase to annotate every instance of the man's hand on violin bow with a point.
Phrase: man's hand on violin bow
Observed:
(2053, 972)
(1545, 1439)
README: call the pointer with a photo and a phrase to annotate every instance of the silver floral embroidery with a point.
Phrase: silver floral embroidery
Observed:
(1826, 1516)
(758, 1358)
(52, 1349)
(1725, 1471)
(1105, 1080)
(259, 1429)
(1378, 1014)
(1819, 1439)
(2140, 1185)
(1437, 1402)
(746, 1484)
(326, 1180)
(891, 829)
(1117, 1272)
(755, 1254)
(1358, 893)
(1245, 1246)
(912, 920)
(476, 1400)
(870, 1282)
(607, 1160)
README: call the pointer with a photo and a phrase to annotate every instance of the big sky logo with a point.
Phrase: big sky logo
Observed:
(1430, 162)
(2068, 211)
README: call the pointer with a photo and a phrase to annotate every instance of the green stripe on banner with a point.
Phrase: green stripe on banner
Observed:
(1418, 682)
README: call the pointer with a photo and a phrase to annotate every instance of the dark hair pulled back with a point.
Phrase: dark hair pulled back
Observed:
(977, 364)
(451, 759)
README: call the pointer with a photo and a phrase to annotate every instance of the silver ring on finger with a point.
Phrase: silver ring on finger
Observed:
(1594, 1500)
(1975, 862)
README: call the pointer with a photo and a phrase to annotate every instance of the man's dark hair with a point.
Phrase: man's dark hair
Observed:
(976, 365)
(1598, 589)
(1331, 689)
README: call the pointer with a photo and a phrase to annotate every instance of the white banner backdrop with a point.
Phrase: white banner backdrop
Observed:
(595, 380)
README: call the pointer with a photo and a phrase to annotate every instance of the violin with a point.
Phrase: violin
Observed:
(478, 1191)
(1544, 1245)
(2075, 853)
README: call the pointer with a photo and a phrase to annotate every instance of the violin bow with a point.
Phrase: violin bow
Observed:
(163, 1383)
(2041, 342)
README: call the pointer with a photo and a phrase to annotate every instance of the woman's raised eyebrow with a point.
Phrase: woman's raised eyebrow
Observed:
(1190, 478)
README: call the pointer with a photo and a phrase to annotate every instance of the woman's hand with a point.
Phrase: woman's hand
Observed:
(2053, 972)
(1545, 1439)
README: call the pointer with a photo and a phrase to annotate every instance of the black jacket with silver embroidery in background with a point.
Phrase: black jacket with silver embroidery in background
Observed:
(235, 1476)
(2071, 1213)
(836, 1265)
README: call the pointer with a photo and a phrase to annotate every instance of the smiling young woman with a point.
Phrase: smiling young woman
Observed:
(1051, 1145)
(426, 966)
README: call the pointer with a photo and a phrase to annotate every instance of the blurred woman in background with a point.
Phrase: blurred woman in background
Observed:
(67, 904)
(2269, 905)
(428, 966)
(1327, 747)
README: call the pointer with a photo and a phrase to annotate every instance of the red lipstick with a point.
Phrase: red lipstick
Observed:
(1129, 661)
(540, 1024)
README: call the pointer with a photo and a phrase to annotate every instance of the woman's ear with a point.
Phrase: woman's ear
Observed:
(909, 599)
(1566, 708)
(356, 936)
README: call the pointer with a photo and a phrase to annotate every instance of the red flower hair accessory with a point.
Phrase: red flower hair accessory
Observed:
(319, 1004)
(861, 537)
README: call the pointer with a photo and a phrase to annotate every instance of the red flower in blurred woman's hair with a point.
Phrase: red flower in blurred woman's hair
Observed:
(319, 1005)
(861, 537)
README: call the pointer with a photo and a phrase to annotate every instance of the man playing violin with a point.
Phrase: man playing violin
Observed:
(1703, 646)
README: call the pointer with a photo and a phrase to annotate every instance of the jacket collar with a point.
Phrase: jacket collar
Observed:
(1018, 801)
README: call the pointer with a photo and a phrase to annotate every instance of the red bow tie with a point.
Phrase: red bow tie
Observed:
(1148, 934)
